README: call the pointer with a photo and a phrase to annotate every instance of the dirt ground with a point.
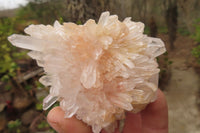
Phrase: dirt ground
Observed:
(183, 88)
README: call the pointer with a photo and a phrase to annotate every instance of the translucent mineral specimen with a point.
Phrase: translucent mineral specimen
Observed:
(98, 71)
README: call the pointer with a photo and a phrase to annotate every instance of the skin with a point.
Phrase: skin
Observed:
(154, 119)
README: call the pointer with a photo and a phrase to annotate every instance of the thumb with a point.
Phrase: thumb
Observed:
(66, 125)
(155, 116)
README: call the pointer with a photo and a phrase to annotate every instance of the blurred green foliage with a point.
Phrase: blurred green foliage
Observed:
(163, 29)
(43, 124)
(39, 85)
(196, 37)
(184, 32)
(196, 53)
(166, 63)
(28, 87)
(8, 53)
(14, 126)
(42, 12)
(39, 105)
(146, 30)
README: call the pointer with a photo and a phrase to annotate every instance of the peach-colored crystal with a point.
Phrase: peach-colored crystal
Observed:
(98, 71)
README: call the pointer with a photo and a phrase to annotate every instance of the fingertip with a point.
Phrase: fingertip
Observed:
(54, 118)
(53, 114)
(66, 125)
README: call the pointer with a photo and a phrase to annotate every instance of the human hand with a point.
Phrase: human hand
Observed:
(154, 119)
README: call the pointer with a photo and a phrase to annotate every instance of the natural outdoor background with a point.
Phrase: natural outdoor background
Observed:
(176, 22)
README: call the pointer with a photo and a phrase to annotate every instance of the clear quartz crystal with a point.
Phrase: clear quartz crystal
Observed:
(70, 112)
(49, 101)
(98, 71)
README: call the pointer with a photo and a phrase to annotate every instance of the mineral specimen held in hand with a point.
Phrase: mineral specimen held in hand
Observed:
(97, 71)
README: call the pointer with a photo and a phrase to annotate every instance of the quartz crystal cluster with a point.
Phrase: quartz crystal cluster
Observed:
(97, 71)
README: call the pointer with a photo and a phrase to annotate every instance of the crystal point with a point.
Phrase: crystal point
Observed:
(49, 101)
(26, 42)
